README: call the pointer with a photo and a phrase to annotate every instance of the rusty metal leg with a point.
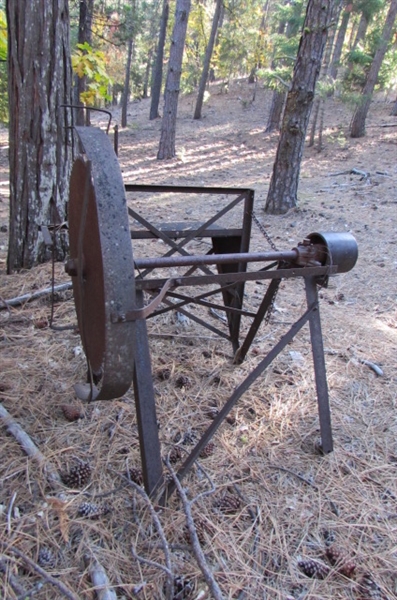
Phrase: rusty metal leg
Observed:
(256, 323)
(236, 395)
(319, 366)
(146, 407)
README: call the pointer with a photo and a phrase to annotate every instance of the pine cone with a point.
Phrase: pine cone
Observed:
(72, 412)
(175, 455)
(201, 528)
(338, 559)
(183, 382)
(78, 476)
(47, 558)
(136, 475)
(190, 437)
(231, 419)
(212, 412)
(93, 510)
(313, 568)
(183, 588)
(369, 589)
(163, 374)
(228, 504)
(208, 450)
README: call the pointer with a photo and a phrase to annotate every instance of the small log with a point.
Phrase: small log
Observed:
(29, 446)
(18, 300)
(99, 579)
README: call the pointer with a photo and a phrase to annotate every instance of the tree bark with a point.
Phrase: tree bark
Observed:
(340, 38)
(358, 122)
(319, 103)
(279, 96)
(157, 77)
(168, 126)
(80, 83)
(282, 193)
(207, 60)
(39, 154)
(126, 91)
(276, 111)
(130, 50)
(361, 31)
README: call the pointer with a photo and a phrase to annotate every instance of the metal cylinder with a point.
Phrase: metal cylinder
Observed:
(340, 249)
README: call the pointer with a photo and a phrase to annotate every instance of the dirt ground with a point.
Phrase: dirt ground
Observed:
(264, 502)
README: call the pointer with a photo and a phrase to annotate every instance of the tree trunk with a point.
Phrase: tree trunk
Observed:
(168, 126)
(361, 31)
(126, 91)
(319, 103)
(358, 122)
(276, 111)
(394, 109)
(157, 76)
(145, 89)
(39, 154)
(278, 97)
(80, 83)
(282, 193)
(291, 28)
(340, 38)
(207, 60)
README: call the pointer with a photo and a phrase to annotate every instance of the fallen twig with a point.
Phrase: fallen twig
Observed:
(197, 551)
(12, 580)
(100, 580)
(29, 446)
(160, 531)
(353, 171)
(53, 580)
(18, 300)
(373, 366)
(285, 470)
(9, 513)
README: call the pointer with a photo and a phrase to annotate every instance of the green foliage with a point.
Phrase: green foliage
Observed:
(197, 36)
(284, 41)
(91, 63)
(369, 8)
(359, 60)
(241, 44)
(3, 36)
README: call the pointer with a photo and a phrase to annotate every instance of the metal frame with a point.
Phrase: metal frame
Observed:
(97, 191)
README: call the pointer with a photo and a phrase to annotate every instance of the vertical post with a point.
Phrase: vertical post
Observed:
(319, 366)
(146, 407)
(116, 140)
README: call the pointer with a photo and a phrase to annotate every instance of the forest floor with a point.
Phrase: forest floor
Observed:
(275, 502)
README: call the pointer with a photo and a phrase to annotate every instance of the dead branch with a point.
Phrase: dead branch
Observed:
(373, 366)
(9, 513)
(353, 171)
(290, 472)
(49, 578)
(18, 300)
(167, 555)
(99, 579)
(151, 563)
(29, 446)
(197, 551)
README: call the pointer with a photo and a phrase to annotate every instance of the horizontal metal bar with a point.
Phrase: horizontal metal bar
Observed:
(210, 232)
(215, 259)
(185, 189)
(153, 284)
